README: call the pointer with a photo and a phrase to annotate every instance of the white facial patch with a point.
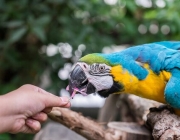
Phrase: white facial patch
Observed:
(100, 78)
(100, 82)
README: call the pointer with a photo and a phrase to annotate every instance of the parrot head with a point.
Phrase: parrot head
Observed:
(92, 74)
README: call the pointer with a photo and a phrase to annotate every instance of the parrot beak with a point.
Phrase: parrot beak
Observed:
(79, 83)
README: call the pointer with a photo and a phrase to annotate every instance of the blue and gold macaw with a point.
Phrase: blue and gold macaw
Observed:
(150, 70)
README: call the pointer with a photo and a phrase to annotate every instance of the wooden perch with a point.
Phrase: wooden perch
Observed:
(94, 131)
(131, 108)
(166, 125)
(140, 107)
(82, 125)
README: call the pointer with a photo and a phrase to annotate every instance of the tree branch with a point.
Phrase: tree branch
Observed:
(82, 125)
(165, 124)
(93, 130)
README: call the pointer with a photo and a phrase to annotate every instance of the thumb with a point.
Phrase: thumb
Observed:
(50, 100)
(55, 101)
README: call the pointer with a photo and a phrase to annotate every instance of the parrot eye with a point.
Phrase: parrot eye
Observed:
(101, 68)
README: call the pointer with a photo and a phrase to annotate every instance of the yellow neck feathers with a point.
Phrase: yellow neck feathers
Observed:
(152, 87)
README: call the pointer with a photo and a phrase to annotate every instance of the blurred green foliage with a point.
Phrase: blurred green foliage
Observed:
(27, 27)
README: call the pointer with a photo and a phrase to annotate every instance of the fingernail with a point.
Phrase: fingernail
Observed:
(64, 99)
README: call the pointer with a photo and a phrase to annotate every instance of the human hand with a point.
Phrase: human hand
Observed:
(24, 109)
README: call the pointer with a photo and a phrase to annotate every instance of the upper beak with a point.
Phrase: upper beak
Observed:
(79, 81)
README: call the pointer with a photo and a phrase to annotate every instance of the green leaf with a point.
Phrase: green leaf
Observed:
(39, 32)
(12, 24)
(151, 14)
(43, 20)
(17, 34)
(131, 6)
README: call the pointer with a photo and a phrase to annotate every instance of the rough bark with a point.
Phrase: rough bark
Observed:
(94, 131)
(139, 107)
(165, 124)
(82, 125)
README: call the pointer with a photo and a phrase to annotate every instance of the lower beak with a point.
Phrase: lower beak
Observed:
(79, 82)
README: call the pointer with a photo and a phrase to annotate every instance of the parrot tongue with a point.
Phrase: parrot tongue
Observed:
(67, 88)
(75, 90)
(73, 94)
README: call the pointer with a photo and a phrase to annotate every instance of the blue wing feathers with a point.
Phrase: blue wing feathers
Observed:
(159, 55)
(175, 45)
(172, 90)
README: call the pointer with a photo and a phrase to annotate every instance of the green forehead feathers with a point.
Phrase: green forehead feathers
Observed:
(93, 58)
